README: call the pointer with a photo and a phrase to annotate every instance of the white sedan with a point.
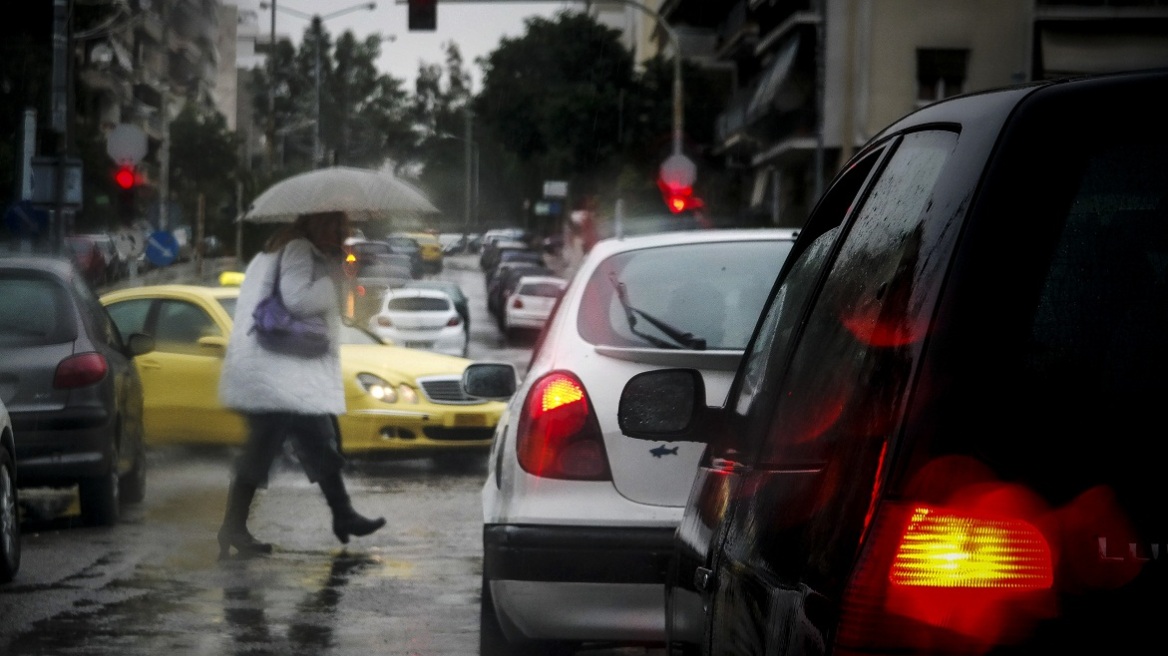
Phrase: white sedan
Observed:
(423, 319)
(530, 305)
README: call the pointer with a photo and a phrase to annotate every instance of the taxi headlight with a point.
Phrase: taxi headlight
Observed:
(378, 388)
(407, 393)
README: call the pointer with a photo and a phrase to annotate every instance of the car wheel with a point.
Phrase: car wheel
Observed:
(100, 498)
(133, 486)
(9, 520)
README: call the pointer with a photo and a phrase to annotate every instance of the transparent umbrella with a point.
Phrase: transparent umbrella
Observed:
(364, 194)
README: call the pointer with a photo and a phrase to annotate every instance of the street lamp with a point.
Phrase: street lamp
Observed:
(317, 21)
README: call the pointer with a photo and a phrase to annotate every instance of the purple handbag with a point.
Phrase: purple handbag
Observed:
(279, 331)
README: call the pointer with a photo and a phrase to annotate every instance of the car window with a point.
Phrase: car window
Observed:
(34, 311)
(180, 325)
(711, 290)
(228, 305)
(418, 304)
(870, 315)
(130, 316)
(544, 289)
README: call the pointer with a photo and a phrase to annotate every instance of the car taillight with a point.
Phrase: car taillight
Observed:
(945, 579)
(384, 322)
(454, 321)
(517, 303)
(80, 370)
(559, 435)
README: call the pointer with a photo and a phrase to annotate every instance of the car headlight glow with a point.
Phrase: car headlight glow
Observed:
(407, 393)
(378, 388)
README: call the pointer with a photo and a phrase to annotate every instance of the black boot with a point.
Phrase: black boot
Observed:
(234, 531)
(346, 521)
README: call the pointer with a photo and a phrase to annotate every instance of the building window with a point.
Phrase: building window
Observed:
(940, 74)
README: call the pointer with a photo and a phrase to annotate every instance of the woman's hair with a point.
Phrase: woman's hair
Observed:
(326, 230)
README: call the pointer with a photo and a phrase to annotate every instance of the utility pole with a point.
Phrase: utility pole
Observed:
(270, 140)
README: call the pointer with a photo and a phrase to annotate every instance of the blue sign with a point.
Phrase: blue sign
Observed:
(161, 248)
(25, 220)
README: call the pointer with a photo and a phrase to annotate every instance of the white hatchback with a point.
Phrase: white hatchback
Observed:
(530, 305)
(425, 319)
(578, 519)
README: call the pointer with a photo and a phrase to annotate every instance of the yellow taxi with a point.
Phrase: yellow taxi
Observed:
(431, 250)
(401, 402)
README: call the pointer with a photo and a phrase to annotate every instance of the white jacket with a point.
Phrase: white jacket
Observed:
(255, 379)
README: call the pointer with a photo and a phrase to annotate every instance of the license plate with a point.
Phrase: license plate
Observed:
(419, 345)
(470, 420)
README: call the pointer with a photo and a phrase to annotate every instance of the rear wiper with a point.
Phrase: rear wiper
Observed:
(683, 339)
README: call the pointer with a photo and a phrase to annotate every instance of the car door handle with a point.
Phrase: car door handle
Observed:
(702, 578)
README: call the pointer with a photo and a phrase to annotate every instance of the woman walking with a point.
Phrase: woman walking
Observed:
(287, 396)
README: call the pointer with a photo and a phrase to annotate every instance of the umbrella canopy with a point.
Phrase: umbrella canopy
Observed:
(364, 194)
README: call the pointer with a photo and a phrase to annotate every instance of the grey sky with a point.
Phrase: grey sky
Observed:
(476, 27)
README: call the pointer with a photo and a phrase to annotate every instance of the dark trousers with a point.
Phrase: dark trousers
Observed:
(314, 437)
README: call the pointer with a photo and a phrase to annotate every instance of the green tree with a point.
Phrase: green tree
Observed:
(365, 115)
(552, 99)
(204, 161)
(441, 100)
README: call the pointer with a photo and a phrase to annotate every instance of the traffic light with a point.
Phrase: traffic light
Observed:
(126, 181)
(423, 15)
(679, 198)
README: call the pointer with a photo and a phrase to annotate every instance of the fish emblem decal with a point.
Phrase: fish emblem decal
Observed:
(663, 451)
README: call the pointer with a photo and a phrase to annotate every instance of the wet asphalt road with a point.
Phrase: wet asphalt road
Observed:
(152, 585)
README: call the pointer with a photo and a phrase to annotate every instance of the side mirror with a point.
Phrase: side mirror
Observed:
(666, 404)
(139, 344)
(495, 381)
(216, 343)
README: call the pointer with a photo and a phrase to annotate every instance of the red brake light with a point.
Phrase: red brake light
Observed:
(384, 321)
(559, 436)
(517, 303)
(454, 321)
(80, 370)
(944, 549)
(945, 579)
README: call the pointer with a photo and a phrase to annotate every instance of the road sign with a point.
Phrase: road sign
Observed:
(23, 219)
(161, 248)
(129, 243)
(126, 144)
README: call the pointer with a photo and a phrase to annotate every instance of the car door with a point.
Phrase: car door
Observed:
(823, 431)
(181, 376)
(720, 477)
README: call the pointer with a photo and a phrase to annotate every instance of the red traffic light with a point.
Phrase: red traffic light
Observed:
(679, 198)
(125, 178)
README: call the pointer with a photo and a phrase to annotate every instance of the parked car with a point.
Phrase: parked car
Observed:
(489, 256)
(408, 246)
(421, 319)
(10, 543)
(68, 380)
(900, 465)
(578, 520)
(400, 402)
(513, 256)
(503, 284)
(529, 306)
(453, 290)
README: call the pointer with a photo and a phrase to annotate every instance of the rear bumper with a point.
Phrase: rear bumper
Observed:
(578, 583)
(58, 448)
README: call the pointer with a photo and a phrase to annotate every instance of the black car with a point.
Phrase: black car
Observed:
(503, 283)
(68, 380)
(941, 438)
(10, 542)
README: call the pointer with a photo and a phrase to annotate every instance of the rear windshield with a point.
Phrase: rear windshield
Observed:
(418, 304)
(34, 311)
(714, 291)
(545, 289)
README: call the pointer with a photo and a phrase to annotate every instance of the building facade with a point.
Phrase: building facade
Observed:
(815, 79)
